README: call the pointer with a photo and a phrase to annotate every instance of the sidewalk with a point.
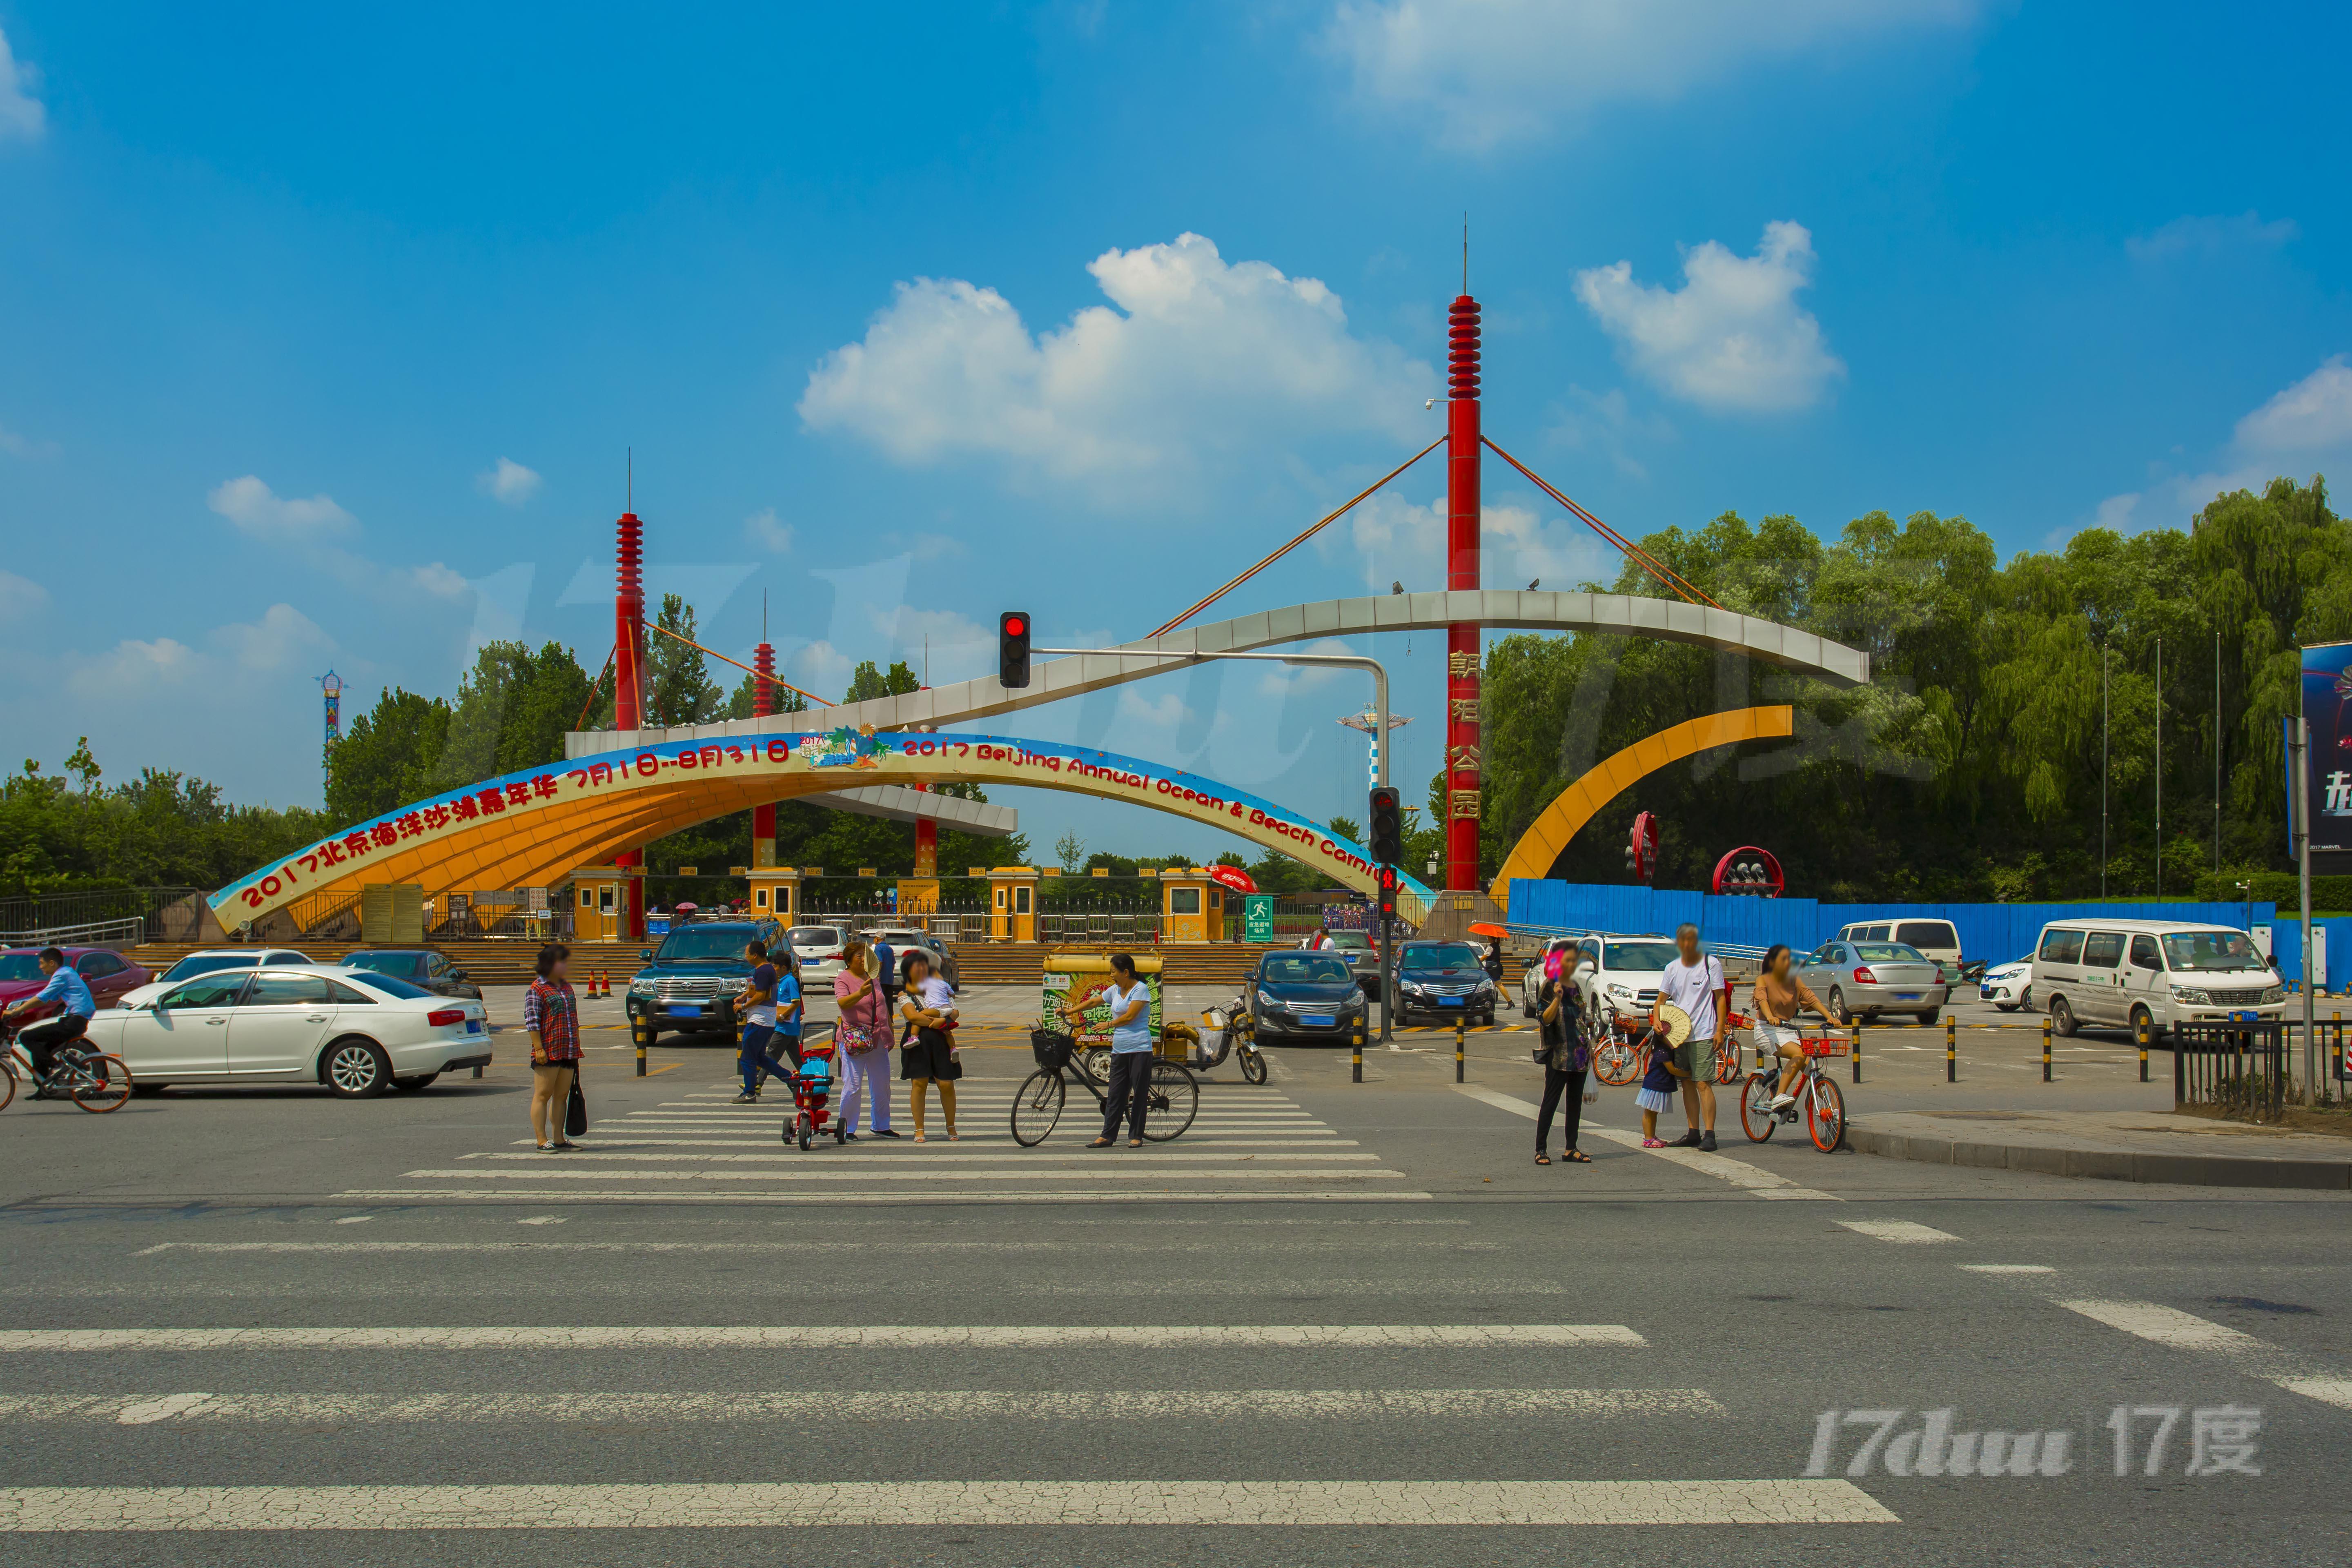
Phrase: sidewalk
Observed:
(2109, 1145)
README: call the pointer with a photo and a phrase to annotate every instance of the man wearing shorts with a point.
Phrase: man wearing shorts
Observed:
(1694, 982)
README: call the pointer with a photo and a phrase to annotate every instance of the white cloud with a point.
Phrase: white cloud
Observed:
(1603, 421)
(2313, 414)
(762, 529)
(277, 641)
(1488, 71)
(133, 670)
(440, 579)
(1193, 356)
(16, 445)
(258, 510)
(20, 595)
(21, 114)
(509, 482)
(1733, 338)
(1164, 711)
(1398, 541)
(2211, 236)
(2116, 512)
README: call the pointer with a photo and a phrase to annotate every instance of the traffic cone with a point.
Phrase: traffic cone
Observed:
(602, 988)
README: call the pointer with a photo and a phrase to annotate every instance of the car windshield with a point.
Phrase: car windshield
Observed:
(1639, 954)
(391, 985)
(2220, 951)
(702, 944)
(1349, 939)
(383, 963)
(814, 936)
(1441, 955)
(1927, 933)
(195, 964)
(19, 966)
(1889, 952)
(1307, 969)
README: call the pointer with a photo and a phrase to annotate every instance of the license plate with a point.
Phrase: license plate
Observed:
(689, 1008)
(1986, 993)
(473, 1026)
(1449, 1000)
(1906, 995)
(1312, 1022)
(2245, 1017)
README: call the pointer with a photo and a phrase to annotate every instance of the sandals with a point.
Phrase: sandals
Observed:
(1654, 1143)
(1542, 1158)
(1576, 1157)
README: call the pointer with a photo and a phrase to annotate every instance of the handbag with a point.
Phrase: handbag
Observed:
(575, 1115)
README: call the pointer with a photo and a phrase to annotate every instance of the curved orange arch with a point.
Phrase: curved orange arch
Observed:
(1549, 832)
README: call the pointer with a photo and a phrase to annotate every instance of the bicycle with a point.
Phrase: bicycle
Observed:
(98, 1083)
(1817, 1096)
(1170, 1103)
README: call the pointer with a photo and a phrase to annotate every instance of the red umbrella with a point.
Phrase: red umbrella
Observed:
(683, 905)
(1232, 877)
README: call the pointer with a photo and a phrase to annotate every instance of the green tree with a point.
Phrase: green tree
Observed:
(388, 757)
(867, 682)
(741, 704)
(678, 688)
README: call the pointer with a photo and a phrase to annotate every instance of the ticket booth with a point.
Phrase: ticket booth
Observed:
(600, 903)
(1012, 903)
(1191, 906)
(775, 891)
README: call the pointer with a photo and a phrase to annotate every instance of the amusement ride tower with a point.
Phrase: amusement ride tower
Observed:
(1463, 651)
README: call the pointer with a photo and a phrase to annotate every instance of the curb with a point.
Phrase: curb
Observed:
(2109, 1164)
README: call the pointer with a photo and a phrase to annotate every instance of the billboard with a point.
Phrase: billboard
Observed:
(2327, 787)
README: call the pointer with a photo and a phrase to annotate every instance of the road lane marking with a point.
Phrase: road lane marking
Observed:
(1903, 1232)
(2009, 1268)
(890, 1149)
(2177, 1330)
(834, 1405)
(929, 1155)
(605, 1505)
(1151, 1172)
(822, 1336)
(917, 1196)
(1738, 1173)
(2335, 1391)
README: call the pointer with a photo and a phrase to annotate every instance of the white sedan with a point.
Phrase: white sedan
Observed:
(2009, 986)
(356, 1032)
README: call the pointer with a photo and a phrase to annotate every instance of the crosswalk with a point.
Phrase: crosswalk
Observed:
(698, 1147)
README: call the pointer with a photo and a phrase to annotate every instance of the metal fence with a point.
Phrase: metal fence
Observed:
(2240, 1069)
(101, 915)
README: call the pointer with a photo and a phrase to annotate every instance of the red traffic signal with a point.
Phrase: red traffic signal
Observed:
(1012, 648)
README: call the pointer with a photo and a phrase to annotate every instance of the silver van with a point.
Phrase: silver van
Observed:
(2117, 974)
(1935, 937)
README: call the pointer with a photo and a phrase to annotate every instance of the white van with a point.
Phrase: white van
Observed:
(1935, 938)
(2120, 974)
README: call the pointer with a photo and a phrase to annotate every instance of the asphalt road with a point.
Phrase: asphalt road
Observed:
(1333, 1323)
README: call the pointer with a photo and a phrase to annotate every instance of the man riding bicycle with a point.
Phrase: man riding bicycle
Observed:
(65, 988)
(1779, 996)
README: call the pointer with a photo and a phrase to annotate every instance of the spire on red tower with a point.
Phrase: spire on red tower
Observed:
(1462, 652)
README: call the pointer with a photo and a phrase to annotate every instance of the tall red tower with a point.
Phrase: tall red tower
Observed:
(1462, 637)
(763, 702)
(629, 685)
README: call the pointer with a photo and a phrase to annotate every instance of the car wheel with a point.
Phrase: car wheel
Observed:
(2062, 1017)
(1931, 1016)
(1839, 1012)
(355, 1068)
(423, 1080)
(2141, 1018)
(1527, 1006)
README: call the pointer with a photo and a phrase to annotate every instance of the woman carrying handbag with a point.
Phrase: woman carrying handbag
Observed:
(1565, 1054)
(550, 1015)
(863, 1034)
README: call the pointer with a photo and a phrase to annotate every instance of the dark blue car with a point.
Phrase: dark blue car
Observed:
(1298, 993)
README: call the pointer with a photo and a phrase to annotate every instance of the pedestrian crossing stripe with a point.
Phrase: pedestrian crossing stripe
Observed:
(828, 1336)
(911, 1195)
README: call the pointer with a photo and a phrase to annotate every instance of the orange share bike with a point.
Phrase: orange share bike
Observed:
(1818, 1097)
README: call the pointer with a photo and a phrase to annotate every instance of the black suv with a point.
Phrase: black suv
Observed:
(689, 984)
(417, 965)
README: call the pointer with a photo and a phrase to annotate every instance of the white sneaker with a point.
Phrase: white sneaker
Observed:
(1782, 1102)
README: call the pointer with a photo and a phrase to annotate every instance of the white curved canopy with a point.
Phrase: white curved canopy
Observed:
(1670, 620)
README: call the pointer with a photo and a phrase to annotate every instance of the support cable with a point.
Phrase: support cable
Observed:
(1667, 575)
(763, 674)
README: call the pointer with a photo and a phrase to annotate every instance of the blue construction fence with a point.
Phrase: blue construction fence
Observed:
(1997, 932)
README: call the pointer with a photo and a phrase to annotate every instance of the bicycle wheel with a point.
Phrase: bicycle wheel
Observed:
(1727, 1061)
(1825, 1115)
(1172, 1100)
(1616, 1063)
(1253, 1067)
(100, 1084)
(1756, 1117)
(1036, 1107)
(7, 1084)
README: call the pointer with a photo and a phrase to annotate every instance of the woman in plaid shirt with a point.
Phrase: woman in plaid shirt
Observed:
(552, 1014)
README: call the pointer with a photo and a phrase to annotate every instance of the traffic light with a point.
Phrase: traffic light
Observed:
(1388, 826)
(1389, 880)
(1012, 648)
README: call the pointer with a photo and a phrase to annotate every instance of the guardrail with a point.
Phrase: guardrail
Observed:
(2241, 1069)
(132, 929)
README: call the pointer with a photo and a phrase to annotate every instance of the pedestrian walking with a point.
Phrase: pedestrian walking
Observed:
(1566, 1053)
(864, 1036)
(1130, 1002)
(758, 1003)
(1694, 983)
(1491, 960)
(551, 1017)
(929, 1056)
(886, 975)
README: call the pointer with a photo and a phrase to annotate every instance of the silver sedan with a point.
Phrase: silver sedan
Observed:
(1865, 979)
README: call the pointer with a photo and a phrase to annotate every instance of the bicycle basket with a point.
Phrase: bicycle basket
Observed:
(1053, 1050)
(1827, 1047)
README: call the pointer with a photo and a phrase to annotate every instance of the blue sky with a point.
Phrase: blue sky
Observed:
(322, 335)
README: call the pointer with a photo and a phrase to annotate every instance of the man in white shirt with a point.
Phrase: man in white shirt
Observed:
(1694, 983)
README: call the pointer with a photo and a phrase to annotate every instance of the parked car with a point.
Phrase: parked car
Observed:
(356, 1032)
(109, 976)
(1938, 938)
(2009, 986)
(214, 958)
(1532, 978)
(2124, 974)
(691, 983)
(1621, 974)
(1311, 995)
(1865, 979)
(1363, 954)
(1443, 979)
(903, 939)
(420, 967)
(817, 951)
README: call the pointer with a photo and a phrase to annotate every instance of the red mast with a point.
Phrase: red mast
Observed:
(1461, 638)
(763, 702)
(629, 686)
